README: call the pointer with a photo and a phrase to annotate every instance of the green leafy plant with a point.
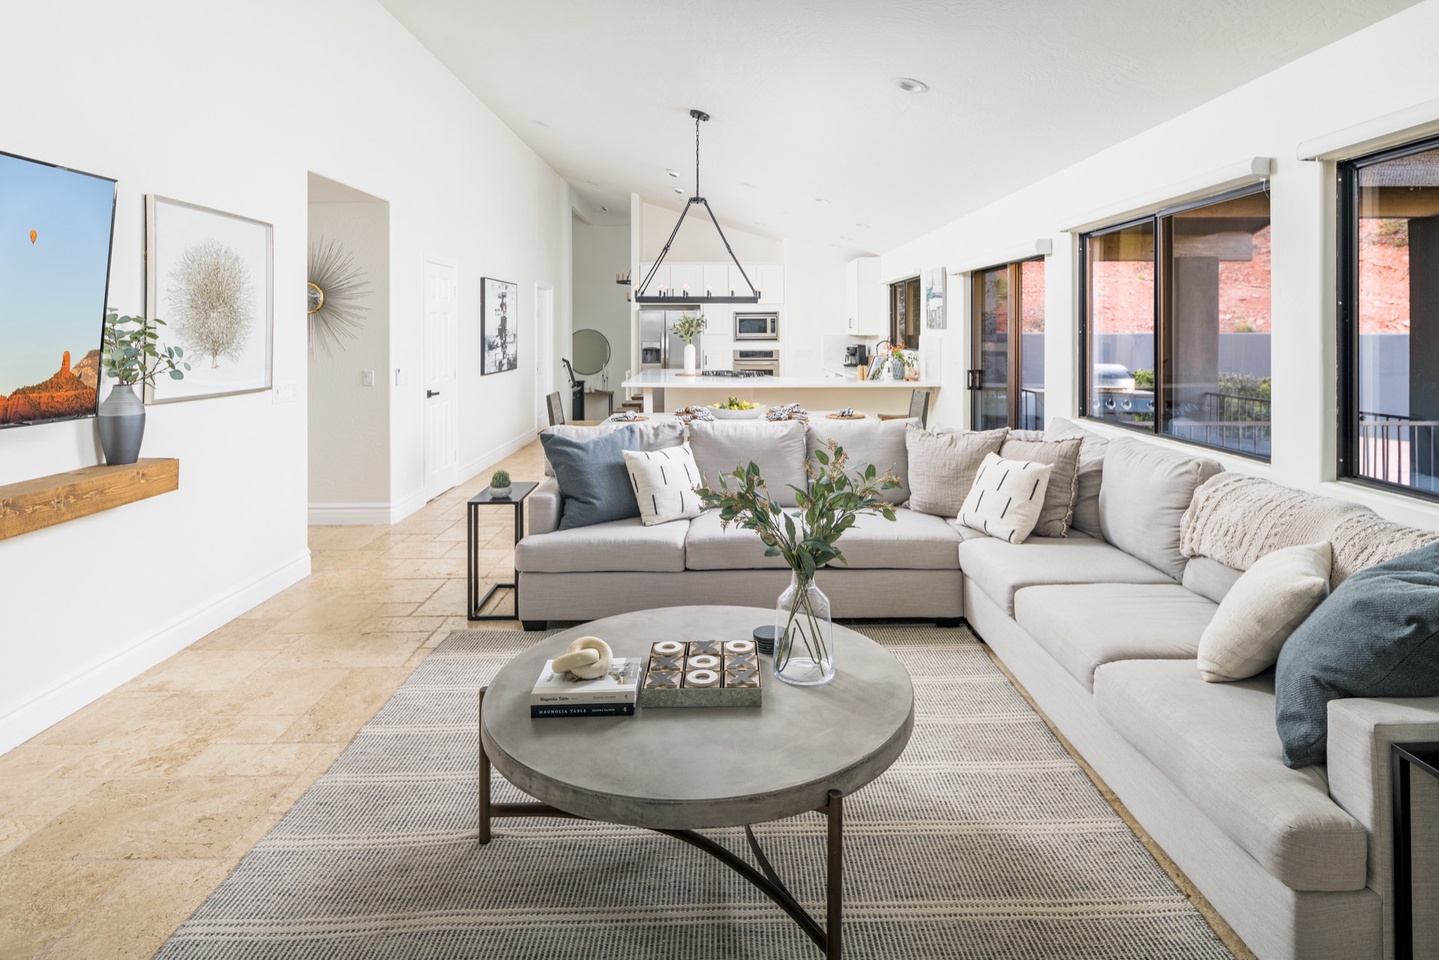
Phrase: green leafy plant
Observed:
(807, 538)
(500, 478)
(132, 352)
(689, 326)
(1144, 379)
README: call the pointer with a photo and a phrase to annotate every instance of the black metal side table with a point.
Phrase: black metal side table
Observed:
(516, 499)
(1424, 756)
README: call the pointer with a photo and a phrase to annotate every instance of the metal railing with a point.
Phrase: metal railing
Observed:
(1397, 449)
(1230, 421)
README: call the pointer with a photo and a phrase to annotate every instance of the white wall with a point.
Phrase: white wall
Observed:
(200, 103)
(600, 304)
(1327, 91)
(698, 241)
(349, 423)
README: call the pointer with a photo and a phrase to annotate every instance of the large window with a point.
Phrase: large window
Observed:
(906, 312)
(1176, 323)
(1006, 377)
(1389, 317)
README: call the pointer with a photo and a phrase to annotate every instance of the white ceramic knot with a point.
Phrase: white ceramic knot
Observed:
(588, 658)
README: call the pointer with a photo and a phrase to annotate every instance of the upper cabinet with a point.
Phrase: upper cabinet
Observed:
(687, 279)
(864, 307)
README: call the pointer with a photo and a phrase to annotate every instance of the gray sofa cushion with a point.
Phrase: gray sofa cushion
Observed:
(1377, 635)
(710, 547)
(1145, 493)
(880, 442)
(1086, 626)
(625, 545)
(654, 435)
(1217, 743)
(914, 541)
(1062, 456)
(1000, 568)
(942, 466)
(778, 447)
(1091, 472)
(1208, 578)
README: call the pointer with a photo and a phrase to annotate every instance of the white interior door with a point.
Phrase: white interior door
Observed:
(442, 348)
(544, 351)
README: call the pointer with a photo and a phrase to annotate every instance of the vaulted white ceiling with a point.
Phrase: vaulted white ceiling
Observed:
(810, 137)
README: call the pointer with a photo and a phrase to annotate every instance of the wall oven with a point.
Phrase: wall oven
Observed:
(756, 326)
(762, 361)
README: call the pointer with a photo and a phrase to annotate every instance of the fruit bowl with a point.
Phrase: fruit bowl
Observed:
(723, 413)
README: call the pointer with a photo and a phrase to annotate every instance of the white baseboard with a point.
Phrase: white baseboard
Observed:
(85, 684)
(349, 514)
(406, 505)
(494, 455)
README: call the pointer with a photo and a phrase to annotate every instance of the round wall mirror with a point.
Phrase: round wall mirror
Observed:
(592, 352)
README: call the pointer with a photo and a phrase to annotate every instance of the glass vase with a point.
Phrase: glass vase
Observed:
(804, 634)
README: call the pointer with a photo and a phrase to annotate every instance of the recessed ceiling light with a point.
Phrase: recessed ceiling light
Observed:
(842, 237)
(673, 173)
(862, 226)
(745, 183)
(541, 123)
(820, 200)
(910, 85)
(604, 208)
(679, 191)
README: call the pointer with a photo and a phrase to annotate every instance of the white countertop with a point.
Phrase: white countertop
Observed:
(655, 379)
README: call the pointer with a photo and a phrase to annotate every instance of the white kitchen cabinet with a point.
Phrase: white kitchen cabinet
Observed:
(687, 279)
(716, 350)
(716, 280)
(864, 306)
(659, 286)
(770, 282)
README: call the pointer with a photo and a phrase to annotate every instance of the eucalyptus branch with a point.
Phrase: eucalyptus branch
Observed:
(132, 352)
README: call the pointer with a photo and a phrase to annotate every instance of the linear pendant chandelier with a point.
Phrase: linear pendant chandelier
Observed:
(642, 297)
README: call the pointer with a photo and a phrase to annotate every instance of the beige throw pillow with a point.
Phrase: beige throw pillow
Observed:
(1262, 609)
(942, 466)
(1063, 457)
(1006, 498)
(664, 483)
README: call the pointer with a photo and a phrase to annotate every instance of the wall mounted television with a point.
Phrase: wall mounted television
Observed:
(56, 226)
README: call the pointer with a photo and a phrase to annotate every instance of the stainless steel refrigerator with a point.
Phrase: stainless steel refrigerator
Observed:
(660, 347)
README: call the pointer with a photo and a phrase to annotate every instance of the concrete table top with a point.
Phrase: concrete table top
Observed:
(695, 767)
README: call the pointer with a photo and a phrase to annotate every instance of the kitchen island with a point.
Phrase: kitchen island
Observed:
(813, 393)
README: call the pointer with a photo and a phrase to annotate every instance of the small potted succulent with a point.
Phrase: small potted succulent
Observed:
(500, 484)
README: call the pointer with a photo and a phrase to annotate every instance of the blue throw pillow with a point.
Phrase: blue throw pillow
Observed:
(1377, 635)
(594, 484)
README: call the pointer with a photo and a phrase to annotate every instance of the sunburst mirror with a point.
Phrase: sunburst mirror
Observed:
(335, 289)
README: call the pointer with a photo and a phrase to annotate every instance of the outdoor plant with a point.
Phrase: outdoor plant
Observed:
(1144, 379)
(500, 478)
(807, 537)
(689, 326)
(132, 352)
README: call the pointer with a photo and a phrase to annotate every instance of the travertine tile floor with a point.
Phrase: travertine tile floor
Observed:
(117, 822)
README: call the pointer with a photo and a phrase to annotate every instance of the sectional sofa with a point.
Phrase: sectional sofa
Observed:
(1101, 626)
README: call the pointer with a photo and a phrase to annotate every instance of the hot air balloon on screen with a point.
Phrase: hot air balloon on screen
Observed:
(33, 235)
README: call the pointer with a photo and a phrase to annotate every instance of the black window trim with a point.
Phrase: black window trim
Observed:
(1346, 316)
(1162, 240)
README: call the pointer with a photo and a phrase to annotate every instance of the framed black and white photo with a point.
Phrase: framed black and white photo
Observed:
(499, 325)
(934, 298)
(208, 275)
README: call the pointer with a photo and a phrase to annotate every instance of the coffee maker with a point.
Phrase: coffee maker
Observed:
(856, 355)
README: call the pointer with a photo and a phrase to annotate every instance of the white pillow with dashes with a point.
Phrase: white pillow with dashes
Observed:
(664, 483)
(1006, 498)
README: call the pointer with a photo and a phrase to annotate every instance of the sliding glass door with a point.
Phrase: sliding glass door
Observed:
(1006, 376)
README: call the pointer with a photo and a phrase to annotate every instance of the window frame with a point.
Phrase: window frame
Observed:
(1014, 346)
(1346, 316)
(1163, 223)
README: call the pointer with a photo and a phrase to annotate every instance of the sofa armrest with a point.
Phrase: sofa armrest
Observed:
(544, 507)
(1360, 768)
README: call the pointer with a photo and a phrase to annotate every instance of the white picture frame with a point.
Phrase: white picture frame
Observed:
(210, 276)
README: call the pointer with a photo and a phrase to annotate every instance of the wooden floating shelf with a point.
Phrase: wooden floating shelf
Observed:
(46, 501)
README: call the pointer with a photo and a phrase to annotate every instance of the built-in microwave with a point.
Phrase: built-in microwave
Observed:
(756, 326)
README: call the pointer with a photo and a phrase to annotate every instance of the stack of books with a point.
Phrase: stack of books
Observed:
(564, 695)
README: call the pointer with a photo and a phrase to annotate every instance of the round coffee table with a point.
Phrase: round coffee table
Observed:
(676, 770)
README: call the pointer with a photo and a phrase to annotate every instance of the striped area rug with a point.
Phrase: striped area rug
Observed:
(984, 840)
